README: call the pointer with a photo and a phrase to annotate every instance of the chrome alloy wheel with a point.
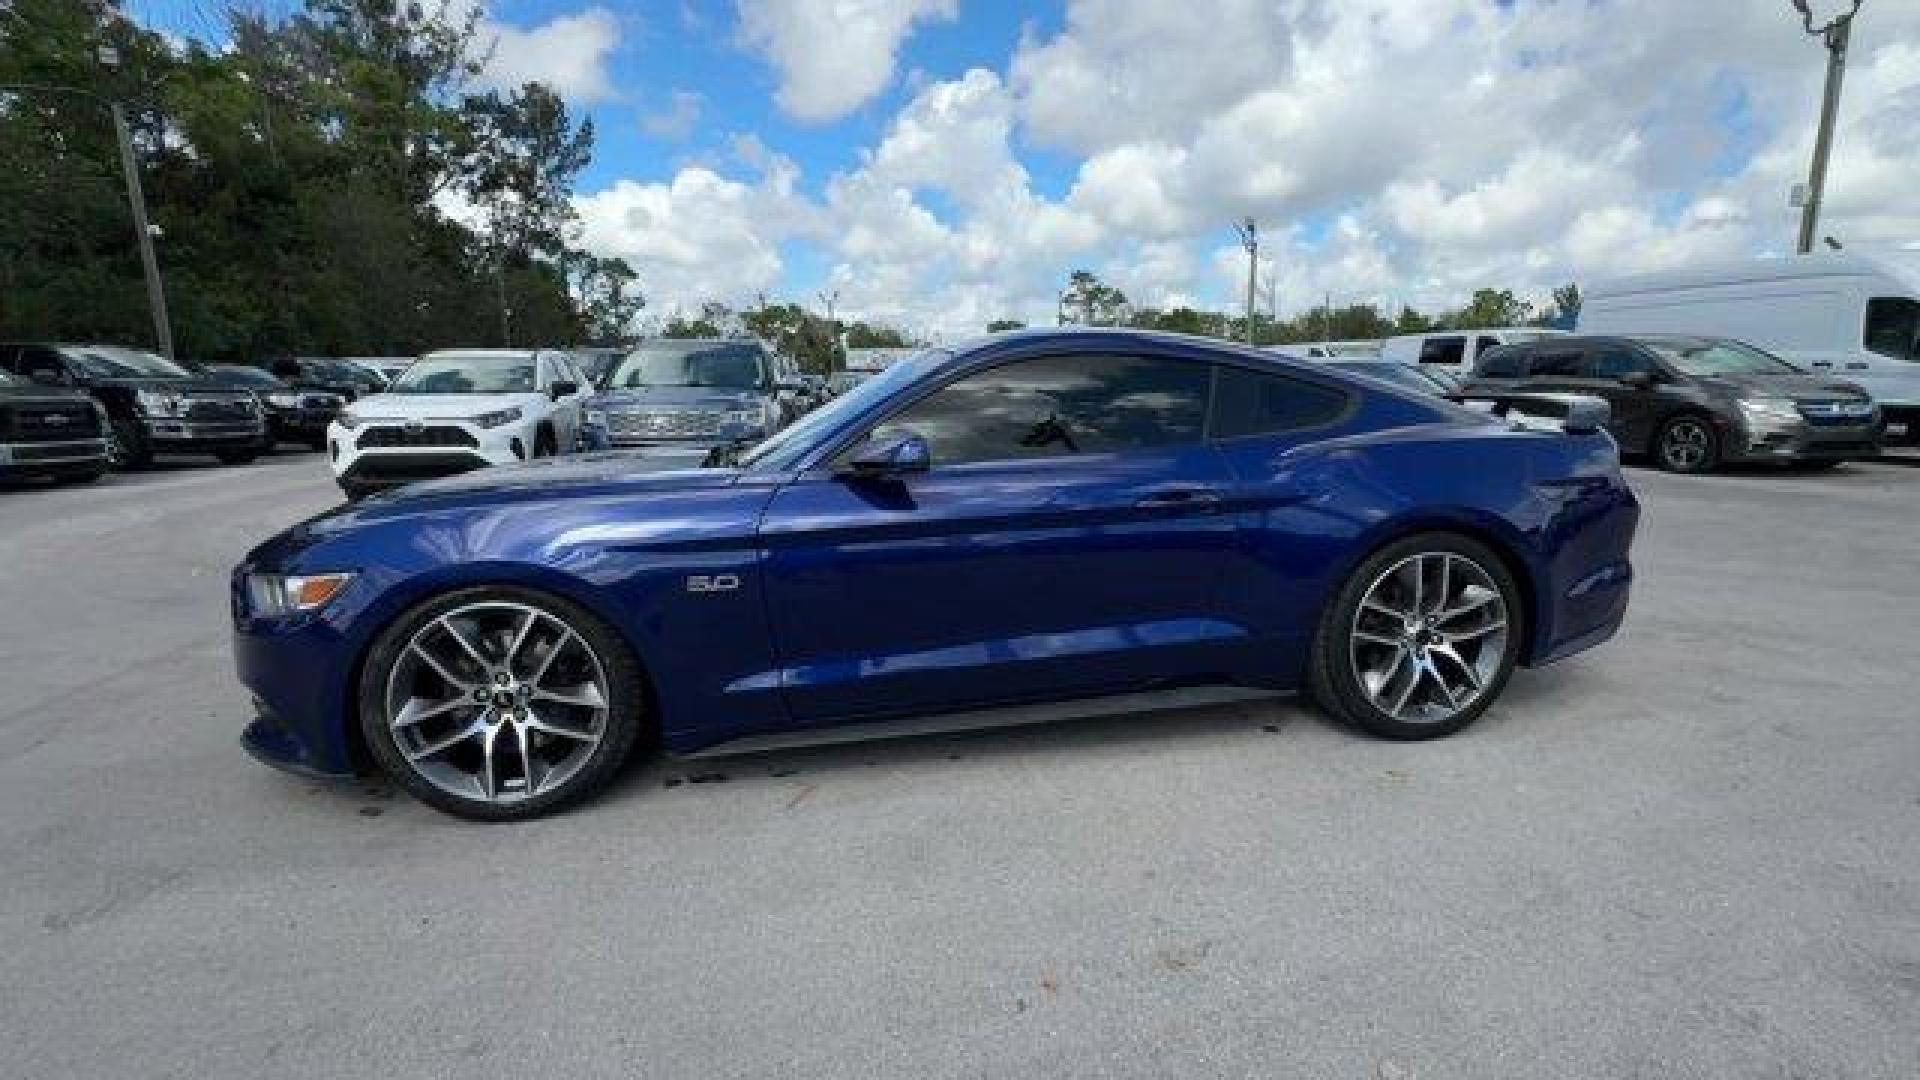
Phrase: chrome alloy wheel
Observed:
(497, 701)
(1428, 637)
(1685, 445)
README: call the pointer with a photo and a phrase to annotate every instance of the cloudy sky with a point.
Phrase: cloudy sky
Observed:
(941, 163)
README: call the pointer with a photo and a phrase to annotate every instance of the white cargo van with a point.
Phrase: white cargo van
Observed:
(1454, 351)
(1851, 316)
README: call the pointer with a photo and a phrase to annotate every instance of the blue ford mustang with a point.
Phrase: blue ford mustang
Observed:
(1034, 518)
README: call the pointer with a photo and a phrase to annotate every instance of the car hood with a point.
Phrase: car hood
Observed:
(438, 406)
(1788, 385)
(193, 387)
(704, 398)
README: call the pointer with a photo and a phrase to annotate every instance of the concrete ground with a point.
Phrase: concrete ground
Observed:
(1692, 853)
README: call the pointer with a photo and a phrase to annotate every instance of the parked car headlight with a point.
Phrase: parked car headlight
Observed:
(275, 596)
(157, 402)
(1769, 411)
(497, 418)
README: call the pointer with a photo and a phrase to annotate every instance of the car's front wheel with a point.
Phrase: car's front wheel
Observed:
(1687, 444)
(500, 703)
(1419, 640)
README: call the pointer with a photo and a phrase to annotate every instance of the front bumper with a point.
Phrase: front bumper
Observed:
(361, 464)
(300, 423)
(195, 435)
(1806, 442)
(48, 458)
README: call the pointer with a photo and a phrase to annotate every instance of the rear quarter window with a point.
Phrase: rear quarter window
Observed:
(1247, 402)
(1503, 362)
(1443, 350)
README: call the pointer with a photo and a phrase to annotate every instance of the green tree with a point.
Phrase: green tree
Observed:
(866, 335)
(1491, 307)
(1089, 301)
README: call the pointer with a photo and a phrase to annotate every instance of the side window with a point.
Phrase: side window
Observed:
(1560, 364)
(1483, 343)
(1503, 363)
(1053, 406)
(1247, 402)
(1614, 363)
(1443, 350)
(1893, 327)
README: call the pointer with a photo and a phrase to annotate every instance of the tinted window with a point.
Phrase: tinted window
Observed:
(728, 365)
(1484, 343)
(1505, 362)
(111, 362)
(1250, 402)
(1615, 362)
(1893, 327)
(1559, 364)
(1443, 350)
(1718, 357)
(464, 373)
(1055, 405)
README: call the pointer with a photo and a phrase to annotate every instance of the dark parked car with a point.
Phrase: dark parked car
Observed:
(293, 415)
(1694, 402)
(681, 398)
(350, 381)
(1108, 518)
(46, 432)
(153, 405)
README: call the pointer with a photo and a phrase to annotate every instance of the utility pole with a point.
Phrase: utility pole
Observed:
(1834, 35)
(1249, 231)
(828, 297)
(137, 204)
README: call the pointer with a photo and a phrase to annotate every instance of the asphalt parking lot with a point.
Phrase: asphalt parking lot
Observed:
(1694, 852)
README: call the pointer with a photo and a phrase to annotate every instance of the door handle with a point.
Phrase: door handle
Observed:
(1856, 365)
(1823, 363)
(1172, 498)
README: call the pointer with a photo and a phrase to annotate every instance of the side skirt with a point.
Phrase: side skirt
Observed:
(1191, 697)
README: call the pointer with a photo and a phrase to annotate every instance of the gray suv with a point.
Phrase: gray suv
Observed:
(681, 398)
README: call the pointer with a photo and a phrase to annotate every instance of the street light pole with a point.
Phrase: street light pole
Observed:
(1835, 34)
(137, 203)
(1249, 231)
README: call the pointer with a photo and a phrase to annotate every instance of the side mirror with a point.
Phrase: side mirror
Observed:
(563, 388)
(1638, 380)
(897, 456)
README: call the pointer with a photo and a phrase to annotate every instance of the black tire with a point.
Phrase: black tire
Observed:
(544, 443)
(126, 447)
(237, 457)
(1687, 443)
(1334, 684)
(625, 720)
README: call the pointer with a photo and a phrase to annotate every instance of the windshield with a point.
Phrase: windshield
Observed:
(1710, 358)
(786, 448)
(726, 365)
(468, 373)
(246, 375)
(105, 362)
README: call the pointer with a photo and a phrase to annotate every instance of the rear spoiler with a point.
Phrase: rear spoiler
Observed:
(1575, 414)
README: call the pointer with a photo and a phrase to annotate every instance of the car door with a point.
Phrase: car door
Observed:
(1629, 380)
(1065, 539)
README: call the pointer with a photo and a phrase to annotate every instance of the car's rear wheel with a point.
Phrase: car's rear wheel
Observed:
(1420, 639)
(544, 443)
(1687, 444)
(127, 448)
(500, 703)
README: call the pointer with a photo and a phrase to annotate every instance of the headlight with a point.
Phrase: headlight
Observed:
(157, 402)
(284, 401)
(1769, 411)
(275, 596)
(495, 419)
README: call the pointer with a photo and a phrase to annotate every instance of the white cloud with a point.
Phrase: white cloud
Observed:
(677, 120)
(568, 53)
(833, 55)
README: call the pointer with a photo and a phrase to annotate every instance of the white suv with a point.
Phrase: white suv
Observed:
(457, 410)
